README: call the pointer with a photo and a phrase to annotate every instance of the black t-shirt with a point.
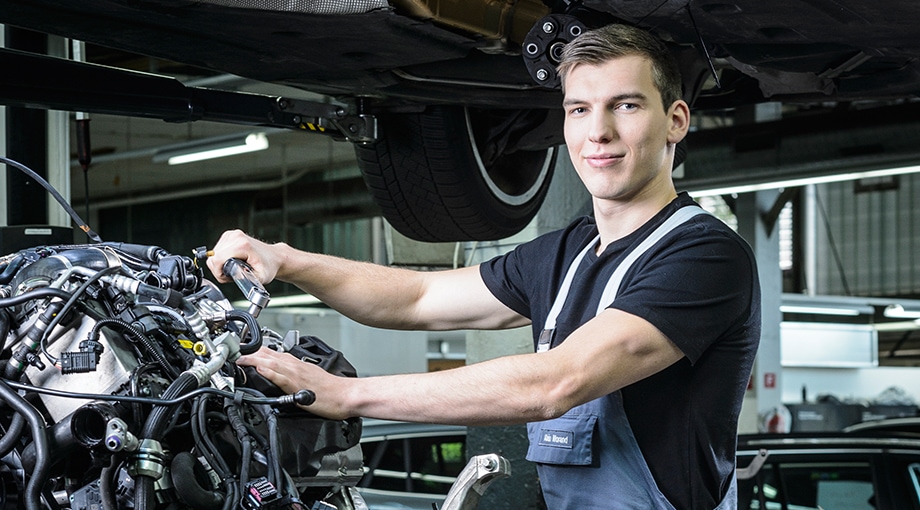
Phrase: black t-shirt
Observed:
(699, 286)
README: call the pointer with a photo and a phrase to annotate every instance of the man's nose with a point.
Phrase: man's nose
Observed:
(602, 128)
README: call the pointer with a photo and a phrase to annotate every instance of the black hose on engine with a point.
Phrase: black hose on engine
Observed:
(42, 293)
(11, 435)
(154, 429)
(253, 330)
(185, 471)
(36, 481)
(11, 269)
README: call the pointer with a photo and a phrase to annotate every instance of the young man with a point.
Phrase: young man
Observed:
(633, 396)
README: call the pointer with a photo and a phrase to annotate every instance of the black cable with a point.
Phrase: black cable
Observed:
(66, 308)
(198, 430)
(236, 422)
(207, 446)
(273, 454)
(132, 331)
(57, 196)
(142, 400)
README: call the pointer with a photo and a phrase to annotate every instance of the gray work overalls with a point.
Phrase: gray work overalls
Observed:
(589, 458)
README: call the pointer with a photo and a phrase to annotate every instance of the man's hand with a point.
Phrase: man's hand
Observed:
(292, 375)
(262, 257)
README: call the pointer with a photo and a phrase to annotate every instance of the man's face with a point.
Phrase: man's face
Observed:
(617, 130)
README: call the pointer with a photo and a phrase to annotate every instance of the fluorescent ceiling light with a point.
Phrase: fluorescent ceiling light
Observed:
(897, 311)
(820, 310)
(210, 148)
(821, 179)
(825, 305)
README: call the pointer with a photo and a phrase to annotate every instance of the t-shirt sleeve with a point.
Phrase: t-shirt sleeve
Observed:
(525, 278)
(697, 290)
(504, 278)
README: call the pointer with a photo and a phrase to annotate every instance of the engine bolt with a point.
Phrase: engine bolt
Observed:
(542, 74)
(549, 27)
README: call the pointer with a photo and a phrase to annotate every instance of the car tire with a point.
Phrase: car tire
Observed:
(444, 174)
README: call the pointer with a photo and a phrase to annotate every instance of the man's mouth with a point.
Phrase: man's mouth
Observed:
(603, 159)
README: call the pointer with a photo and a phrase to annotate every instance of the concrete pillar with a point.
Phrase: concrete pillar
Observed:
(38, 139)
(765, 393)
(522, 490)
(566, 200)
(58, 150)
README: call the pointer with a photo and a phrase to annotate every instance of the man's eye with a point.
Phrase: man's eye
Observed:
(576, 110)
(627, 106)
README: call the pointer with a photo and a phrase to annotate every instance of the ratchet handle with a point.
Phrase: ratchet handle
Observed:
(246, 280)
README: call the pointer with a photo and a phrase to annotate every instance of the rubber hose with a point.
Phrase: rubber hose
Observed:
(42, 293)
(10, 270)
(60, 444)
(49, 268)
(255, 331)
(4, 325)
(11, 436)
(33, 495)
(155, 428)
(185, 481)
(108, 485)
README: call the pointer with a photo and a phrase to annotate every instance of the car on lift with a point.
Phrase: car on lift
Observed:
(453, 107)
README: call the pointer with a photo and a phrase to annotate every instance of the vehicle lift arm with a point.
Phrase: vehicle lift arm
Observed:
(54, 83)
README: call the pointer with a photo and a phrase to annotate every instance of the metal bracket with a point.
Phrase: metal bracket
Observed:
(754, 467)
(472, 482)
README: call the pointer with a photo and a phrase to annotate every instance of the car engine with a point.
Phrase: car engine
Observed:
(118, 389)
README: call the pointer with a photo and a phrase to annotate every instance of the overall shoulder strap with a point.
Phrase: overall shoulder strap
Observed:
(675, 220)
(613, 284)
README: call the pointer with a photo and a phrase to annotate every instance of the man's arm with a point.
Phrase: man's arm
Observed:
(609, 352)
(372, 294)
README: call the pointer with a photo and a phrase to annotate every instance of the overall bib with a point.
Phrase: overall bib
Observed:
(589, 456)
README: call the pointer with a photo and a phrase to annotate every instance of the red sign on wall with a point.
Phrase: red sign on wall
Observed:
(769, 380)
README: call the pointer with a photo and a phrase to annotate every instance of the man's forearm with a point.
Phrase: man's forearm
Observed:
(395, 298)
(497, 392)
(375, 295)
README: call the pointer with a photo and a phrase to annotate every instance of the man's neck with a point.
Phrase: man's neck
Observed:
(615, 220)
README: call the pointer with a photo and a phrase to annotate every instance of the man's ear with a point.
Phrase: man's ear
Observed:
(679, 121)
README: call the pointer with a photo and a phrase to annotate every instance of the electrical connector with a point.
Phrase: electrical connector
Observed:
(78, 362)
(83, 361)
(260, 493)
